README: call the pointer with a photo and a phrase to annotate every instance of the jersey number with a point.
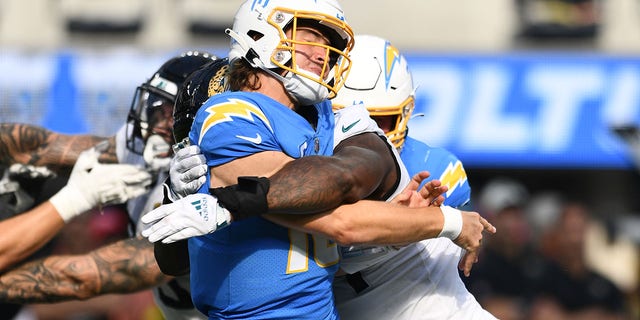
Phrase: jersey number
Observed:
(325, 251)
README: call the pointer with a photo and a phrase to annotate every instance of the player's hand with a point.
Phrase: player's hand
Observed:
(470, 238)
(187, 171)
(157, 153)
(194, 215)
(92, 184)
(431, 194)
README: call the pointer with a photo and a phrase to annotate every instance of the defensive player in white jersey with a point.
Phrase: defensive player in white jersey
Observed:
(422, 277)
(127, 265)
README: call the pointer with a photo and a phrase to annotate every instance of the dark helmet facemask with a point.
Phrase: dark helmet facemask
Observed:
(150, 113)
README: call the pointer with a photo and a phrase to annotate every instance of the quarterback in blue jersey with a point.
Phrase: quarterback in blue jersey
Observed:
(286, 59)
(258, 262)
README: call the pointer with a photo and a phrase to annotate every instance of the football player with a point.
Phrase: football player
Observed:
(423, 275)
(91, 184)
(127, 265)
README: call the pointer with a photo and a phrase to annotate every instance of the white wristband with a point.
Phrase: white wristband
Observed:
(452, 223)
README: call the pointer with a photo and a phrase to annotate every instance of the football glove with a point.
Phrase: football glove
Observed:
(187, 171)
(92, 184)
(194, 215)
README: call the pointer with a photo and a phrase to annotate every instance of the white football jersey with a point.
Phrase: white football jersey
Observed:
(417, 281)
(352, 121)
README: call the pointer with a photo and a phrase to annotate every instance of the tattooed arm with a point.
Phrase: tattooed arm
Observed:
(104, 184)
(122, 267)
(37, 146)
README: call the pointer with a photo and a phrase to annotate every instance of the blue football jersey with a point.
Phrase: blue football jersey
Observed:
(255, 269)
(443, 165)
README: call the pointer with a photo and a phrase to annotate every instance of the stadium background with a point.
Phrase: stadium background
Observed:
(529, 89)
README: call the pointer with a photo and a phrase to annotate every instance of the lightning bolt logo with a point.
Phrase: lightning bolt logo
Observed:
(261, 3)
(225, 111)
(391, 59)
(453, 176)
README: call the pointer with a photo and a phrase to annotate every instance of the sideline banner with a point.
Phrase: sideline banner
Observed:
(529, 110)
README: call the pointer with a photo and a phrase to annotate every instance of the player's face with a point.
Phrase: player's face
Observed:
(310, 57)
(386, 123)
(161, 120)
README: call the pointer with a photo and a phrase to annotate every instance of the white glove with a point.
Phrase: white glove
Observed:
(92, 184)
(187, 171)
(157, 153)
(194, 215)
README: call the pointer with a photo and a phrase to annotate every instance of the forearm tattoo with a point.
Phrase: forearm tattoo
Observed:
(362, 168)
(122, 267)
(306, 197)
(33, 145)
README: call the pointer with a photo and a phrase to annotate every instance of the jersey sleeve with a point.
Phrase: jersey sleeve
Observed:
(230, 127)
(451, 173)
(443, 165)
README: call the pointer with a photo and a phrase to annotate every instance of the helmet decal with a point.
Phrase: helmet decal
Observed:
(380, 80)
(196, 89)
(392, 59)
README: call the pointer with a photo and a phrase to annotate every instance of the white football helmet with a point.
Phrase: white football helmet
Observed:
(258, 35)
(380, 79)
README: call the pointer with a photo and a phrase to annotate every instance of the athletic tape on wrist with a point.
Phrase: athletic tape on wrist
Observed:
(452, 223)
(246, 199)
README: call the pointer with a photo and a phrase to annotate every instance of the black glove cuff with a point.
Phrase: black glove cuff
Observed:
(246, 199)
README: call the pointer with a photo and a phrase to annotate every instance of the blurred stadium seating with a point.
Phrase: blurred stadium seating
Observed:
(444, 25)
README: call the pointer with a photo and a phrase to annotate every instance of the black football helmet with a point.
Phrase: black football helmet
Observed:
(160, 91)
(199, 86)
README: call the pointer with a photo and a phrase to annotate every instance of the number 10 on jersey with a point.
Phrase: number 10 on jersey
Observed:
(325, 251)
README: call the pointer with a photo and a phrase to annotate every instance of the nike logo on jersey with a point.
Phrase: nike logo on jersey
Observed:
(347, 128)
(256, 140)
